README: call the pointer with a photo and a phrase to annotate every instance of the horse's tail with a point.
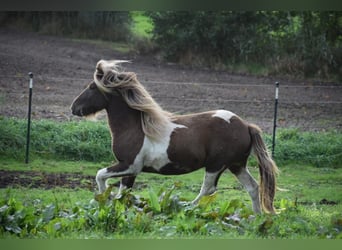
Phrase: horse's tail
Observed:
(267, 169)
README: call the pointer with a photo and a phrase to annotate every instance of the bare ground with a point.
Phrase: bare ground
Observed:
(35, 179)
(62, 67)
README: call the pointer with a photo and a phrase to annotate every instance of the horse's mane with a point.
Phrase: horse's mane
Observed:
(109, 77)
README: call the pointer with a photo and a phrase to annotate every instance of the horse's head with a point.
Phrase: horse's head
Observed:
(108, 82)
(90, 101)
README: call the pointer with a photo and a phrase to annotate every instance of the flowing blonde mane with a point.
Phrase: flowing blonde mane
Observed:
(110, 77)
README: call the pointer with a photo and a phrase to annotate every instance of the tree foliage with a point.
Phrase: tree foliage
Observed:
(295, 42)
(299, 43)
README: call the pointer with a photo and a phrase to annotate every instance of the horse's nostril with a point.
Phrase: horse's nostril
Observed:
(76, 112)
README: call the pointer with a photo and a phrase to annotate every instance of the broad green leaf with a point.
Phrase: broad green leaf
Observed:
(265, 226)
(49, 212)
(102, 198)
(206, 200)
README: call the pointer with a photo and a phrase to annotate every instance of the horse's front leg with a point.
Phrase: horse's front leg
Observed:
(119, 170)
(125, 183)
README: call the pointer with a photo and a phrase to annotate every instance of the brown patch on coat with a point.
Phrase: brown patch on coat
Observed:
(209, 142)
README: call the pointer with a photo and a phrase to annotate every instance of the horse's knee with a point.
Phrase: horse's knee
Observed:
(101, 179)
(100, 175)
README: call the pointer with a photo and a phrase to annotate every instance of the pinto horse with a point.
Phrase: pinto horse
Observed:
(146, 138)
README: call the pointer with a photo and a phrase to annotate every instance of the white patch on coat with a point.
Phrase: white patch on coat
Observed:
(154, 153)
(224, 114)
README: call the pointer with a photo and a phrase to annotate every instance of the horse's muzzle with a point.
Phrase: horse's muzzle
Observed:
(76, 111)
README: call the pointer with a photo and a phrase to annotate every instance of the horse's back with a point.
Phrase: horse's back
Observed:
(210, 138)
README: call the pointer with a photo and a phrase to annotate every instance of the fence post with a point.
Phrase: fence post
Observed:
(275, 116)
(29, 119)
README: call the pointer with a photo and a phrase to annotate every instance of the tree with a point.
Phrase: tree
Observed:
(307, 42)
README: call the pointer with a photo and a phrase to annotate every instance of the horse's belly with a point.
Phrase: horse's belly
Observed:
(168, 169)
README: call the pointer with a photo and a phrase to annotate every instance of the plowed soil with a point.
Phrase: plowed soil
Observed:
(62, 67)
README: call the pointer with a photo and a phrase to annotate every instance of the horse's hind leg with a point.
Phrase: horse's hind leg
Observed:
(209, 185)
(251, 186)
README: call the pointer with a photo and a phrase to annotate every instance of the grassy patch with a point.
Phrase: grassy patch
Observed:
(320, 149)
(50, 140)
(53, 166)
(310, 185)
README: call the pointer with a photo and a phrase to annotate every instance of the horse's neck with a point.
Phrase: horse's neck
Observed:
(121, 117)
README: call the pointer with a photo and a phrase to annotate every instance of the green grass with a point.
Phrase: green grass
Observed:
(84, 140)
(319, 149)
(310, 185)
(52, 166)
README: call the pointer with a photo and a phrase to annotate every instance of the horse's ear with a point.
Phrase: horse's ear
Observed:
(107, 73)
(99, 73)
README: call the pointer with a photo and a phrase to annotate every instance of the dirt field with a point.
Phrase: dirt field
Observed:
(35, 179)
(62, 68)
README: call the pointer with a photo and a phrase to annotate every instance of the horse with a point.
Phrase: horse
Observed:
(146, 138)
